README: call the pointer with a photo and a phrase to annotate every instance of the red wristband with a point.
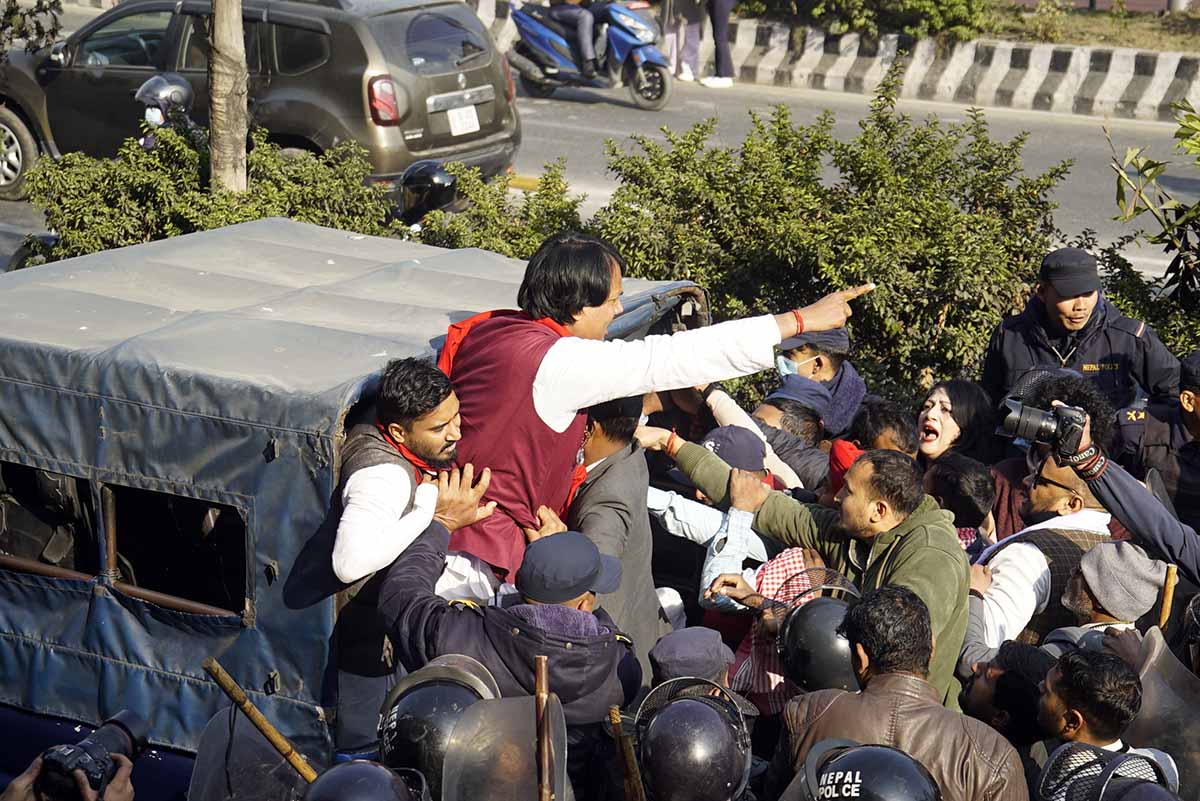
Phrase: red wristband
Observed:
(799, 321)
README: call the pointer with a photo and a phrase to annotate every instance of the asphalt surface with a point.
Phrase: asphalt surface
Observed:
(575, 123)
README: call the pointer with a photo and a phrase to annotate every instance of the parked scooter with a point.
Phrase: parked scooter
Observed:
(547, 58)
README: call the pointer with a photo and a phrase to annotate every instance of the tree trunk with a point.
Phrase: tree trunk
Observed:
(227, 82)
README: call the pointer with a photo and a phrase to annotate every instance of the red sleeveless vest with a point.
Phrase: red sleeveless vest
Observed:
(532, 465)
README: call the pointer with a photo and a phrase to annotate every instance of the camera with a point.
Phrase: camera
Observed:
(123, 734)
(1061, 427)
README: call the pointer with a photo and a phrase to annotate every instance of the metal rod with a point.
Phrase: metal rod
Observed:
(541, 684)
(172, 602)
(108, 506)
(282, 744)
(634, 791)
(1168, 597)
(24, 565)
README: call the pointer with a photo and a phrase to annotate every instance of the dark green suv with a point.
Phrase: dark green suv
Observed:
(410, 80)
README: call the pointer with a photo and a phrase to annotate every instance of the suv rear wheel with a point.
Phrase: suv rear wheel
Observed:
(18, 152)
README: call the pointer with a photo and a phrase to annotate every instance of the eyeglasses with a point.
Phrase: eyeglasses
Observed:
(1039, 479)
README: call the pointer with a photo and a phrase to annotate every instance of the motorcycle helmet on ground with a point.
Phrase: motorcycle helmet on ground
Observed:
(693, 743)
(419, 714)
(837, 769)
(361, 780)
(814, 655)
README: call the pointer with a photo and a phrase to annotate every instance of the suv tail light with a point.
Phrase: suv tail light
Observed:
(383, 101)
(510, 91)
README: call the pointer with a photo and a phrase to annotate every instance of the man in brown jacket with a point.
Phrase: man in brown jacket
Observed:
(891, 646)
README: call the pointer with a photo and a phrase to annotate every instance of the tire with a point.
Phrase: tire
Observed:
(18, 154)
(536, 88)
(654, 90)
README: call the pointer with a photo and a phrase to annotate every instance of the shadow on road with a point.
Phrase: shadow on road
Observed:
(590, 97)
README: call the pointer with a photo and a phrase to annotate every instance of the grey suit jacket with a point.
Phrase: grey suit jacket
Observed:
(610, 510)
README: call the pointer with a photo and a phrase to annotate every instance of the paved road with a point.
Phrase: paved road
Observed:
(576, 124)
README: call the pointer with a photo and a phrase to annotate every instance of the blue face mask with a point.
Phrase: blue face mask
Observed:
(785, 366)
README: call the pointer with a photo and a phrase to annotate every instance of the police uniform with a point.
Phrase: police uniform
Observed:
(1157, 438)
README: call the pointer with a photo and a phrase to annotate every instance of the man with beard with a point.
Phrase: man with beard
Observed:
(383, 506)
(1069, 323)
(886, 531)
(1021, 579)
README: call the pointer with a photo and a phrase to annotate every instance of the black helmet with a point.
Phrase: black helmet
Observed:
(361, 780)
(426, 186)
(843, 769)
(692, 741)
(168, 91)
(1081, 772)
(814, 655)
(419, 714)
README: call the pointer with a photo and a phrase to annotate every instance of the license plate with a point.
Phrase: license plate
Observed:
(463, 120)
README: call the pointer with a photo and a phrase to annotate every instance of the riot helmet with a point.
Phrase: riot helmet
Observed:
(167, 92)
(1081, 772)
(693, 743)
(361, 780)
(844, 769)
(814, 655)
(420, 712)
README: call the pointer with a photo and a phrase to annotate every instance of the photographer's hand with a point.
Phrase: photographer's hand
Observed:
(119, 789)
(1086, 441)
(21, 788)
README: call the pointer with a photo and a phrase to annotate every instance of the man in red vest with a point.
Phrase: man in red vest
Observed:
(523, 377)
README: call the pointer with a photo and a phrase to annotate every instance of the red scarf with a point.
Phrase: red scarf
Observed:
(416, 461)
(456, 334)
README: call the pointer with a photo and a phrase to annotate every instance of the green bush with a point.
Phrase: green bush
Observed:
(97, 204)
(941, 217)
(1149, 300)
(957, 19)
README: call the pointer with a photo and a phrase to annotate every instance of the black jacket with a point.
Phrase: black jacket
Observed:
(1158, 438)
(1113, 350)
(585, 672)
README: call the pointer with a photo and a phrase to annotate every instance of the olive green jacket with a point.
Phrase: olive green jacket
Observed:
(922, 554)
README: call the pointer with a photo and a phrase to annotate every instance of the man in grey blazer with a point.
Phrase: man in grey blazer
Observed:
(610, 509)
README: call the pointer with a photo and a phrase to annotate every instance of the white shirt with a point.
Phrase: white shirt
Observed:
(577, 373)
(374, 530)
(1021, 577)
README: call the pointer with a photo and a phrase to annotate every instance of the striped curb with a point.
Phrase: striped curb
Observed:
(1097, 81)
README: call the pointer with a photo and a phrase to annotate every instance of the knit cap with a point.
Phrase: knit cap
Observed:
(1123, 578)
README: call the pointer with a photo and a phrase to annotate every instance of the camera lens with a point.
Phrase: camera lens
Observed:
(1028, 423)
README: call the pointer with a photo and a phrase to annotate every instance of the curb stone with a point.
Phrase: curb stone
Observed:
(1095, 81)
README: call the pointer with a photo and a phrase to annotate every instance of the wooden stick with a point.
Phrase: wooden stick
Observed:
(541, 696)
(634, 791)
(1168, 597)
(274, 737)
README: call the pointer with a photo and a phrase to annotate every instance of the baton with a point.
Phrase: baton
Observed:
(1168, 597)
(634, 791)
(273, 735)
(541, 694)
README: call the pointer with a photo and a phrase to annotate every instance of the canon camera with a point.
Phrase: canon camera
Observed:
(1061, 427)
(123, 734)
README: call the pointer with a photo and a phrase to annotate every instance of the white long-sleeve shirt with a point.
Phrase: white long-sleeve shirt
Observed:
(1021, 578)
(577, 373)
(373, 529)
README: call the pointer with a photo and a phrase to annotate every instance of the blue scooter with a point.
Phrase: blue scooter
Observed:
(547, 58)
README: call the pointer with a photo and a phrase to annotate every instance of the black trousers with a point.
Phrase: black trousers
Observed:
(718, 13)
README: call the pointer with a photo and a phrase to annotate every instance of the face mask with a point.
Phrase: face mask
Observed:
(786, 366)
(643, 420)
(155, 116)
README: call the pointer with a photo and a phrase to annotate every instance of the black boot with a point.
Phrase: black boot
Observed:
(589, 68)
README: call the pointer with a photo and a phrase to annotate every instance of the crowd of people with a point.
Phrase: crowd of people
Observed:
(981, 594)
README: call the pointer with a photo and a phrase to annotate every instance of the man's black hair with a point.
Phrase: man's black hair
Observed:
(877, 417)
(976, 416)
(1102, 688)
(798, 420)
(964, 487)
(1189, 373)
(569, 272)
(896, 478)
(1078, 391)
(409, 389)
(892, 625)
(617, 418)
(1017, 696)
